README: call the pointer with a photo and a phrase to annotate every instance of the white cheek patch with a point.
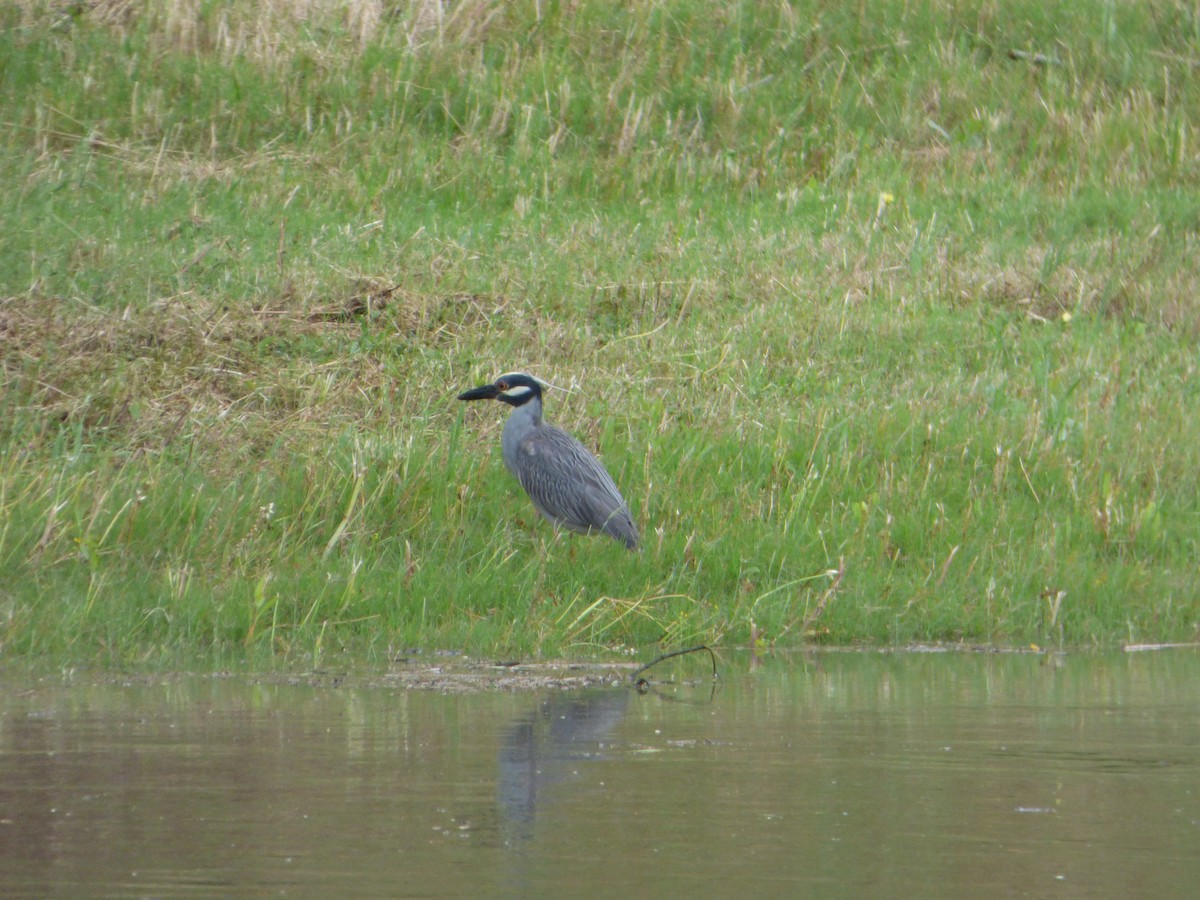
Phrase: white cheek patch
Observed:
(518, 392)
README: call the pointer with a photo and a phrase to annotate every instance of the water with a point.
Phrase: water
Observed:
(838, 774)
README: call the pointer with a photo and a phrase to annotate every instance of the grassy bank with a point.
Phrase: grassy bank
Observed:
(883, 316)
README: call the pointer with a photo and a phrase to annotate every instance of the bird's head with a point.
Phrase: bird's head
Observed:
(515, 389)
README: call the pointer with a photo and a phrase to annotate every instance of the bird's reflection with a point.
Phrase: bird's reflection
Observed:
(545, 748)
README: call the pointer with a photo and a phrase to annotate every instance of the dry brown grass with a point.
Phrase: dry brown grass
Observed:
(270, 32)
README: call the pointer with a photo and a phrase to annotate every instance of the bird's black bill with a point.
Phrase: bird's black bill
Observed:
(487, 392)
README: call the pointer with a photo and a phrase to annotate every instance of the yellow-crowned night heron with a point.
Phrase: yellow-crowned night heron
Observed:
(566, 483)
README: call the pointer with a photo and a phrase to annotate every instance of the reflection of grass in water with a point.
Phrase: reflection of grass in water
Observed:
(885, 334)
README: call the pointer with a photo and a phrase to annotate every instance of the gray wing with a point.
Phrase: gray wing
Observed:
(571, 487)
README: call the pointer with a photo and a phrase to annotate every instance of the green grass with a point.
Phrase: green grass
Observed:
(886, 328)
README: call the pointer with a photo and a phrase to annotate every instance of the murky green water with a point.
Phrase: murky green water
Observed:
(833, 774)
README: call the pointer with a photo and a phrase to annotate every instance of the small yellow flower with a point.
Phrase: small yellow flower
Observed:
(1066, 317)
(885, 198)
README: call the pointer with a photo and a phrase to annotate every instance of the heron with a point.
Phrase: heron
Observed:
(566, 483)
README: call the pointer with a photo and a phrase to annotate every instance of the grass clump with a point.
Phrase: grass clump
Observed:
(883, 318)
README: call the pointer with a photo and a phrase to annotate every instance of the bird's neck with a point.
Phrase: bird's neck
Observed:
(522, 422)
(530, 411)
